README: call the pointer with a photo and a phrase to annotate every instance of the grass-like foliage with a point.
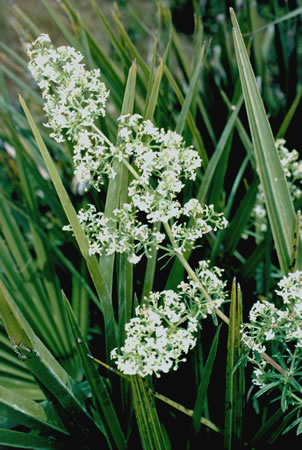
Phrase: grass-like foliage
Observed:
(150, 245)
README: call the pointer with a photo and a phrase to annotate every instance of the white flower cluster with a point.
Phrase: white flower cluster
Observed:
(210, 279)
(280, 326)
(125, 233)
(291, 291)
(165, 325)
(153, 343)
(161, 160)
(73, 100)
(292, 168)
(122, 233)
(203, 220)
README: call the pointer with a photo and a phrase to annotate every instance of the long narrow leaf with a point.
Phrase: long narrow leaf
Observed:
(205, 379)
(49, 372)
(192, 88)
(277, 197)
(234, 398)
(99, 390)
(146, 416)
(27, 412)
(20, 439)
(93, 266)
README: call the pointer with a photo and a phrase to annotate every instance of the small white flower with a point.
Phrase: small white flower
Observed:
(269, 335)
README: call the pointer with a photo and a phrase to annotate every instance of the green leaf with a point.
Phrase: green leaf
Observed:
(60, 25)
(19, 439)
(277, 197)
(53, 378)
(190, 119)
(153, 88)
(266, 428)
(116, 44)
(221, 145)
(129, 45)
(146, 416)
(234, 397)
(296, 239)
(189, 96)
(240, 220)
(80, 301)
(221, 233)
(118, 187)
(100, 395)
(94, 268)
(26, 412)
(204, 384)
(282, 428)
(289, 115)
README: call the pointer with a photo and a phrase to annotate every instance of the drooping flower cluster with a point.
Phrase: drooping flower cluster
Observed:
(279, 329)
(292, 168)
(73, 100)
(165, 326)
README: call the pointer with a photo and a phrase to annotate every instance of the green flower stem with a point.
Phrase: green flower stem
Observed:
(98, 131)
(180, 256)
(130, 168)
(192, 274)
(273, 363)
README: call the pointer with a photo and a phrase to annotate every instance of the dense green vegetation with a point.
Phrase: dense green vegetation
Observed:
(232, 90)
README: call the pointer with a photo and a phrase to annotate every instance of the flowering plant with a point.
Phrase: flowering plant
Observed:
(159, 163)
(278, 331)
(156, 338)
(153, 167)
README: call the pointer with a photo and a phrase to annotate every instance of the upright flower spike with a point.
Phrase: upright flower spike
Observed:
(73, 100)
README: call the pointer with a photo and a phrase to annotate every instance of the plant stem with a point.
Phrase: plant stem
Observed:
(192, 274)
